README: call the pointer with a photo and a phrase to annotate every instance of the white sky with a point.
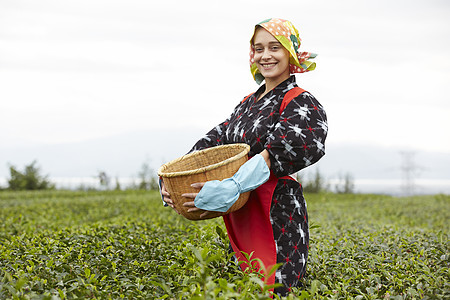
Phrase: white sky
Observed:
(84, 69)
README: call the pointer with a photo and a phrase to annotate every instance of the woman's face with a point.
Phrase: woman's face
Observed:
(271, 58)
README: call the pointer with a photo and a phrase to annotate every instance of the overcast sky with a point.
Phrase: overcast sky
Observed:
(78, 70)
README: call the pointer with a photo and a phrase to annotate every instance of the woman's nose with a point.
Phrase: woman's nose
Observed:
(266, 54)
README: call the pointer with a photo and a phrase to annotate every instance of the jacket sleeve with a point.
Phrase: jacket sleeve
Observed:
(216, 136)
(213, 138)
(298, 138)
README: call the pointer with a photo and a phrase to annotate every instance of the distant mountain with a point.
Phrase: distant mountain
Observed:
(123, 155)
(120, 155)
(376, 162)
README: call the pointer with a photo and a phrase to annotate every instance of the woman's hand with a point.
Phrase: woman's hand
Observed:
(166, 197)
(191, 204)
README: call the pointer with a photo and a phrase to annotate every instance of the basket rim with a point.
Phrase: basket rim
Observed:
(246, 149)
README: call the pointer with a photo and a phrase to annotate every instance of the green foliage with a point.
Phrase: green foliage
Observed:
(125, 245)
(104, 179)
(372, 247)
(147, 178)
(317, 184)
(29, 179)
(346, 184)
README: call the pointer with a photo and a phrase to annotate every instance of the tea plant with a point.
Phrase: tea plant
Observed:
(114, 245)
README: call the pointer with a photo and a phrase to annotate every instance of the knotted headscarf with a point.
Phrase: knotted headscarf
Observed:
(287, 35)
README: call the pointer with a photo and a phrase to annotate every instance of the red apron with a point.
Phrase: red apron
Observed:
(250, 230)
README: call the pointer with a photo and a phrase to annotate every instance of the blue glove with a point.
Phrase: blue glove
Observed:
(219, 195)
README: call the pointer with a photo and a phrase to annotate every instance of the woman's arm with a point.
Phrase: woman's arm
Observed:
(199, 185)
(298, 139)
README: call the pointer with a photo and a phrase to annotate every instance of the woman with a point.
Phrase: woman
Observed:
(286, 128)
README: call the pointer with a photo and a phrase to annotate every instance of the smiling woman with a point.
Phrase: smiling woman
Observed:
(271, 59)
(286, 128)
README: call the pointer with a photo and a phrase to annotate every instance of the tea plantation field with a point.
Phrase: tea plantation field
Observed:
(113, 245)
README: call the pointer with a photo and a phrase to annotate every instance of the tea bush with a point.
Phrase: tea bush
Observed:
(124, 244)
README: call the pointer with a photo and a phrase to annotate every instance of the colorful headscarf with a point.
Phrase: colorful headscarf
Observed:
(287, 35)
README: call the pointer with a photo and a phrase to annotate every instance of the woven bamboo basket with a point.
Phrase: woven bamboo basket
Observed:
(216, 163)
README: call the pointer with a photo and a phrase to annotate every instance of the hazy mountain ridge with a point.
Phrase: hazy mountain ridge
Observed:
(122, 155)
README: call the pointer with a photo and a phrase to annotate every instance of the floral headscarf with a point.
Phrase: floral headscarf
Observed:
(287, 35)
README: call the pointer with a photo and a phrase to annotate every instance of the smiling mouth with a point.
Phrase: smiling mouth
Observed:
(268, 66)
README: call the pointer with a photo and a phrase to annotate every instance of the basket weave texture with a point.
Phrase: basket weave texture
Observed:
(216, 163)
